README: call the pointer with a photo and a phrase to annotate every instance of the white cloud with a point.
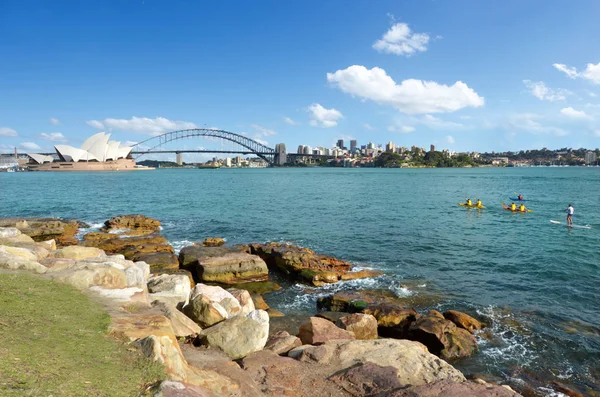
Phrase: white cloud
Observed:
(400, 40)
(130, 143)
(54, 137)
(323, 117)
(435, 122)
(5, 131)
(95, 124)
(529, 122)
(541, 91)
(290, 121)
(29, 146)
(53, 121)
(410, 97)
(591, 72)
(575, 114)
(143, 125)
(262, 141)
(450, 139)
(592, 94)
(466, 117)
(262, 132)
(402, 129)
(368, 127)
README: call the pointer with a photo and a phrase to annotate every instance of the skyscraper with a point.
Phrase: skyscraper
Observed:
(353, 145)
(432, 148)
(340, 143)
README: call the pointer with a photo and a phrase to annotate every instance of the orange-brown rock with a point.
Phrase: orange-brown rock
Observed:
(158, 261)
(213, 242)
(42, 229)
(361, 274)
(319, 330)
(129, 246)
(463, 320)
(131, 222)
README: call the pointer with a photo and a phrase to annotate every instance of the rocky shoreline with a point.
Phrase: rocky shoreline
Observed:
(202, 315)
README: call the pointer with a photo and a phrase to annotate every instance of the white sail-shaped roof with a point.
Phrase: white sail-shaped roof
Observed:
(40, 158)
(124, 151)
(70, 153)
(112, 150)
(91, 141)
(98, 148)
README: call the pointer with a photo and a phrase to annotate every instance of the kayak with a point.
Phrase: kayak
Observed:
(471, 206)
(506, 207)
(516, 199)
(571, 225)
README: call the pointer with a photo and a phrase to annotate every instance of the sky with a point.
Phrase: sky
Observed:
(464, 75)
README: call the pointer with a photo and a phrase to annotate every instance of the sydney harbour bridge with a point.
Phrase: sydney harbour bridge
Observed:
(242, 146)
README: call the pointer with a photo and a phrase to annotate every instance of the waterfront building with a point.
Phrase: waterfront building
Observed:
(300, 149)
(228, 162)
(340, 143)
(370, 145)
(353, 146)
(307, 150)
(432, 148)
(97, 153)
(390, 147)
(590, 157)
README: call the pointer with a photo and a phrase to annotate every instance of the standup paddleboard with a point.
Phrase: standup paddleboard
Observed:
(575, 226)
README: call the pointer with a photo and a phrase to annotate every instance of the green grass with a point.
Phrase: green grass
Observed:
(53, 342)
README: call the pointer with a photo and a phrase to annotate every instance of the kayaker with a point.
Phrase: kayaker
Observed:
(513, 207)
(520, 197)
(469, 202)
(522, 208)
(479, 203)
(570, 211)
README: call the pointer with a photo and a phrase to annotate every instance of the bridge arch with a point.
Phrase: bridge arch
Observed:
(254, 147)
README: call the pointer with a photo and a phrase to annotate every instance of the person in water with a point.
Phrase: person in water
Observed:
(570, 211)
(522, 208)
(520, 197)
(513, 207)
(479, 204)
(469, 202)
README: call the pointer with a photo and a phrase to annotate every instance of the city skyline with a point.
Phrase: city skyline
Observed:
(429, 73)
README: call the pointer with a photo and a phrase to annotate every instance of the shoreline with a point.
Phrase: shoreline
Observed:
(318, 278)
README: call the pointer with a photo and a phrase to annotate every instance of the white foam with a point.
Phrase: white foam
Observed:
(179, 244)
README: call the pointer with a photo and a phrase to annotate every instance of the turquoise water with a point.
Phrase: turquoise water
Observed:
(536, 283)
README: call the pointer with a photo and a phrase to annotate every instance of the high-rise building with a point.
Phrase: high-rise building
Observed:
(371, 145)
(432, 148)
(353, 145)
(390, 147)
(340, 143)
(300, 149)
(307, 150)
(280, 154)
(590, 157)
(179, 158)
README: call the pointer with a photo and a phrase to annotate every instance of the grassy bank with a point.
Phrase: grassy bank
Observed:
(53, 343)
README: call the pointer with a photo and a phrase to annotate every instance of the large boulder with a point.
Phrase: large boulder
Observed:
(204, 311)
(463, 320)
(128, 223)
(213, 242)
(188, 256)
(14, 262)
(415, 365)
(170, 288)
(301, 263)
(232, 268)
(130, 247)
(363, 326)
(42, 229)
(244, 299)
(84, 275)
(318, 330)
(158, 261)
(182, 325)
(19, 252)
(367, 379)
(447, 388)
(442, 337)
(282, 342)
(238, 336)
(79, 253)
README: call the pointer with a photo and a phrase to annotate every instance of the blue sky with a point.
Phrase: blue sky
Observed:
(464, 75)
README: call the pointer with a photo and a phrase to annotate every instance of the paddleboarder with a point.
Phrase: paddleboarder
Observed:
(570, 210)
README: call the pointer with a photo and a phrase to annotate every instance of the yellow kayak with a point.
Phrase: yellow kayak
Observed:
(471, 206)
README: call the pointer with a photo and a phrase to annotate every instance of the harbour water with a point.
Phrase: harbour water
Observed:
(535, 283)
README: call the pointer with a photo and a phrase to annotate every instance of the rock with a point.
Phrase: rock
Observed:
(259, 302)
(50, 245)
(130, 247)
(188, 256)
(332, 316)
(244, 299)
(363, 326)
(282, 342)
(318, 330)
(213, 242)
(18, 252)
(415, 365)
(83, 276)
(393, 319)
(274, 313)
(283, 376)
(463, 320)
(42, 229)
(136, 276)
(131, 295)
(259, 287)
(238, 336)
(79, 253)
(182, 325)
(232, 268)
(56, 264)
(367, 273)
(367, 379)
(158, 261)
(204, 311)
(447, 388)
(175, 285)
(133, 222)
(442, 337)
(169, 388)
(9, 232)
(13, 262)
(301, 263)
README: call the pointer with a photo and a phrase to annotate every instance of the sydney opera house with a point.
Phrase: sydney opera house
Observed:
(97, 153)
